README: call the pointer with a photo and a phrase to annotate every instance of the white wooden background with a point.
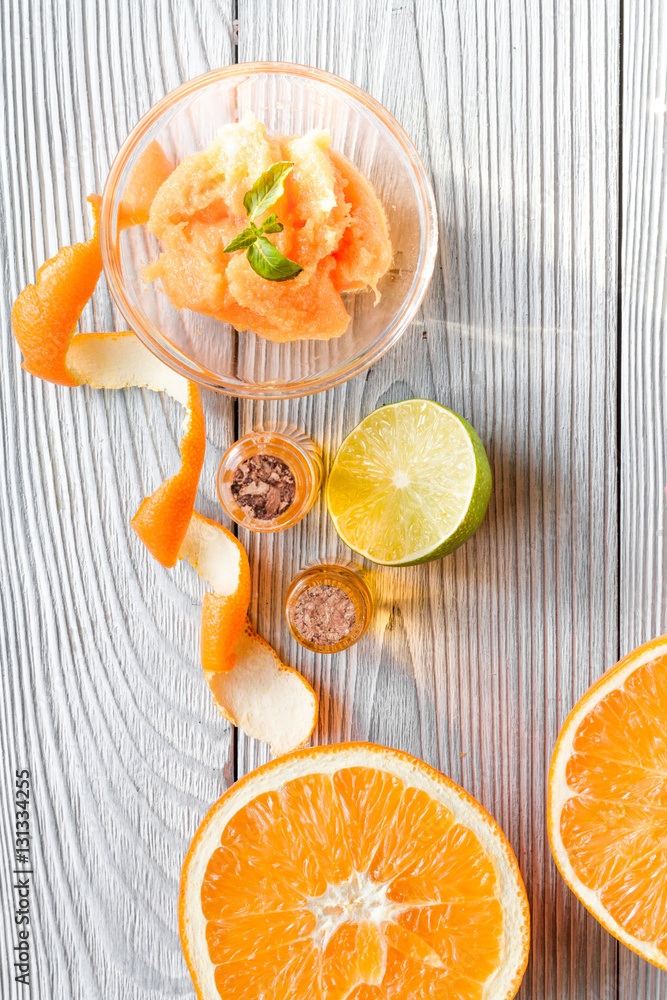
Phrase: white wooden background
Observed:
(542, 123)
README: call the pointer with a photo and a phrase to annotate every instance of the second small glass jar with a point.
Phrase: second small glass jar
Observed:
(328, 607)
(288, 464)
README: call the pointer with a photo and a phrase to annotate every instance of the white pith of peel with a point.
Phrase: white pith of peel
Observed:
(120, 361)
(210, 551)
(263, 696)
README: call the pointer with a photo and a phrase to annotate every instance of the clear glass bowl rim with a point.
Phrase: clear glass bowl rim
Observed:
(159, 345)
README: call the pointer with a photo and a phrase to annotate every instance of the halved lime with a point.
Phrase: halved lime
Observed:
(410, 483)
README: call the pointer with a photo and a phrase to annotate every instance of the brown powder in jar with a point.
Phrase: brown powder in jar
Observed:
(324, 615)
(263, 486)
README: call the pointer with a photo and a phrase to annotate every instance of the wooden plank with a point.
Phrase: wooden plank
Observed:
(103, 697)
(473, 663)
(643, 367)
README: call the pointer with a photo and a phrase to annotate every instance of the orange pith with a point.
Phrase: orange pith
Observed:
(608, 801)
(45, 314)
(163, 518)
(349, 884)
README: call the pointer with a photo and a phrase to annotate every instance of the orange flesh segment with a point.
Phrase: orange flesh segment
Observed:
(148, 174)
(371, 953)
(284, 854)
(614, 828)
(315, 819)
(341, 961)
(368, 801)
(427, 821)
(45, 314)
(289, 973)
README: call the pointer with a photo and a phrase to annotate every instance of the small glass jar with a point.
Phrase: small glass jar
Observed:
(300, 456)
(317, 616)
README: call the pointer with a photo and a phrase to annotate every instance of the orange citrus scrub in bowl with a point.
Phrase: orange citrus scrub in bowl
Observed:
(266, 232)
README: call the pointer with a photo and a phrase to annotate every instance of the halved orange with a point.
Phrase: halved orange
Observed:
(352, 871)
(607, 810)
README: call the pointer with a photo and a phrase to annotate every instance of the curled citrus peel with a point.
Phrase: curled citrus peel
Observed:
(163, 518)
(44, 319)
(120, 360)
(263, 696)
(222, 562)
(45, 314)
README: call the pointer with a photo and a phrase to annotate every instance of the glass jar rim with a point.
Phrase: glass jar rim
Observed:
(152, 337)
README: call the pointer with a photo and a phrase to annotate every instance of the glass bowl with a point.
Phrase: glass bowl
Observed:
(288, 99)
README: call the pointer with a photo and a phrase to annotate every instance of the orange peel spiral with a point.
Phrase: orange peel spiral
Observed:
(262, 695)
(44, 319)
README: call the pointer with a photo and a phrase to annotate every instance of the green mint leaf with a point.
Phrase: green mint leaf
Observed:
(271, 225)
(269, 263)
(243, 240)
(265, 192)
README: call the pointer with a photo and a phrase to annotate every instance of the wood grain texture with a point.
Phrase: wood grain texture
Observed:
(643, 367)
(103, 696)
(473, 662)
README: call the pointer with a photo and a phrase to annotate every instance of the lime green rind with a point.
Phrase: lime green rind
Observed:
(479, 499)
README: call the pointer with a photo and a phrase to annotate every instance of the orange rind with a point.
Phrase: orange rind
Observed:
(44, 319)
(352, 871)
(120, 360)
(163, 518)
(261, 695)
(45, 314)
